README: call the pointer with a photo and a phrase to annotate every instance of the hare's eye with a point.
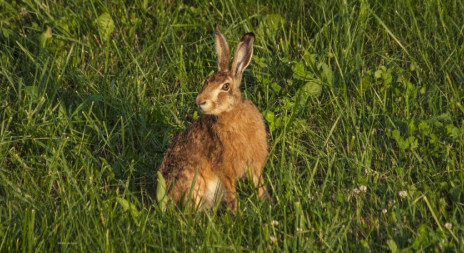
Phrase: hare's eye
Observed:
(225, 87)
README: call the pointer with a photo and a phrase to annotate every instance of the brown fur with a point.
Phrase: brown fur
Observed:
(226, 143)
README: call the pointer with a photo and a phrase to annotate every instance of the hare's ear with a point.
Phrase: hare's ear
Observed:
(243, 53)
(222, 50)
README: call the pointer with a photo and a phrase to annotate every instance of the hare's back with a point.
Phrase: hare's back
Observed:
(191, 149)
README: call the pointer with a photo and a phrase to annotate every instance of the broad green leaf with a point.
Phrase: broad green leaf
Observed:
(145, 5)
(396, 135)
(270, 118)
(161, 191)
(424, 126)
(387, 77)
(309, 59)
(105, 26)
(363, 12)
(412, 142)
(45, 37)
(327, 74)
(7, 32)
(378, 74)
(127, 205)
(32, 92)
(365, 246)
(300, 73)
(365, 84)
(195, 115)
(421, 236)
(275, 87)
(392, 246)
(311, 89)
(270, 23)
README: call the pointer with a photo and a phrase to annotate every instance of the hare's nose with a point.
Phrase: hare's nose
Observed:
(203, 105)
(200, 100)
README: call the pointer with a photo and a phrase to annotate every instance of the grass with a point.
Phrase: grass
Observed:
(363, 101)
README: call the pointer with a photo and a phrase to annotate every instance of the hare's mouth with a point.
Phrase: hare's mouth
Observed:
(206, 106)
(214, 107)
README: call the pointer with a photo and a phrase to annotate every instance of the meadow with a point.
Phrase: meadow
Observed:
(363, 101)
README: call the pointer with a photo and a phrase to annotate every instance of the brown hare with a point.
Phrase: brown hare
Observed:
(226, 143)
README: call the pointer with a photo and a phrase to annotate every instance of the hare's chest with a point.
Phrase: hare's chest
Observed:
(240, 148)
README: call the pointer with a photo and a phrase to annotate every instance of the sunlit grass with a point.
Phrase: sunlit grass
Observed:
(363, 102)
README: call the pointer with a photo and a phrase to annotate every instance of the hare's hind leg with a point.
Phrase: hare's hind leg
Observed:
(228, 183)
(212, 191)
(204, 189)
(190, 190)
(258, 181)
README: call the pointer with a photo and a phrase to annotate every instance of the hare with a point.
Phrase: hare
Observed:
(226, 143)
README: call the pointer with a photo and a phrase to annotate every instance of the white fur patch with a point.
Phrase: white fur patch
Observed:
(212, 193)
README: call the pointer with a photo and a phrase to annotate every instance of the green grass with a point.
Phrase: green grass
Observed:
(363, 101)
